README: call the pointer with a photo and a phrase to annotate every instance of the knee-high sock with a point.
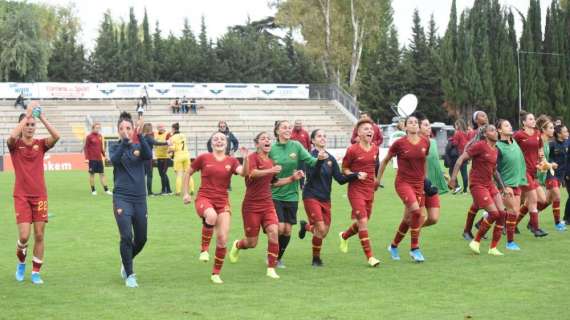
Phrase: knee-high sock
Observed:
(534, 220)
(21, 251)
(219, 260)
(400, 233)
(283, 243)
(415, 227)
(352, 230)
(470, 218)
(556, 211)
(272, 253)
(242, 245)
(511, 224)
(36, 264)
(498, 229)
(522, 213)
(317, 243)
(542, 205)
(178, 184)
(365, 243)
(207, 232)
(485, 225)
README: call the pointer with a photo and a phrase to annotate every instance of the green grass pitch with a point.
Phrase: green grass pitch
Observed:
(82, 262)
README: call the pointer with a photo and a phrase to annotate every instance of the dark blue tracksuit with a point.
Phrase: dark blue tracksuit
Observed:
(559, 154)
(319, 178)
(129, 197)
(148, 164)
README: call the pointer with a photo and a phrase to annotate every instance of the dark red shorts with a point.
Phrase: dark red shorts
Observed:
(255, 219)
(552, 183)
(30, 209)
(483, 196)
(318, 211)
(532, 183)
(220, 206)
(432, 202)
(517, 191)
(410, 194)
(361, 208)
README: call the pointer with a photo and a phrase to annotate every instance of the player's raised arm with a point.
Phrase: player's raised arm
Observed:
(54, 134)
(16, 133)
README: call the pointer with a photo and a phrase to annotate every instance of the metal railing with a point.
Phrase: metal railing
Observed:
(334, 92)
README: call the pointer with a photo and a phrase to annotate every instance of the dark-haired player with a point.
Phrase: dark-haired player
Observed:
(94, 151)
(361, 157)
(129, 196)
(30, 196)
(411, 152)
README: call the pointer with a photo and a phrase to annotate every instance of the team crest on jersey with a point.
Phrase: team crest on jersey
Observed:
(137, 153)
(293, 155)
(228, 167)
(36, 147)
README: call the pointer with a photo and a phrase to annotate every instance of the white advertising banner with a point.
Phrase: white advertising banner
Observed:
(125, 90)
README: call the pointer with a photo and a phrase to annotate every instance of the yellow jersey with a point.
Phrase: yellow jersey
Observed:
(179, 146)
(161, 152)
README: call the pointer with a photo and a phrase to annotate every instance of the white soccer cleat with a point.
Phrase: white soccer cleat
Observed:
(216, 279)
(272, 274)
(204, 256)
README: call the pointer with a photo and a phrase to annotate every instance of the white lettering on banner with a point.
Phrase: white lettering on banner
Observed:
(119, 90)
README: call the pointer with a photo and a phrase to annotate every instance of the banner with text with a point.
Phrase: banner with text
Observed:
(55, 162)
(124, 90)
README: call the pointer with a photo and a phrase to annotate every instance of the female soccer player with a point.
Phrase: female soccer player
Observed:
(531, 144)
(212, 204)
(512, 169)
(30, 196)
(479, 119)
(162, 159)
(179, 147)
(485, 194)
(545, 177)
(411, 152)
(361, 157)
(94, 151)
(317, 194)
(559, 155)
(287, 153)
(129, 196)
(148, 134)
(459, 140)
(257, 208)
(434, 174)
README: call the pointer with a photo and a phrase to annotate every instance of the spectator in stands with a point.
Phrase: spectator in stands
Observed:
(233, 143)
(377, 139)
(148, 134)
(140, 109)
(184, 105)
(144, 101)
(162, 159)
(193, 106)
(175, 106)
(94, 151)
(20, 102)
(301, 135)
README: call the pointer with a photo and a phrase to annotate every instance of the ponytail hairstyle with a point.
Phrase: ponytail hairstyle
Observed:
(542, 122)
(558, 131)
(478, 137)
(125, 116)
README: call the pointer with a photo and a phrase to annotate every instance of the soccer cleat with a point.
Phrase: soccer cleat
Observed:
(394, 252)
(317, 262)
(456, 190)
(513, 246)
(272, 274)
(204, 256)
(474, 246)
(417, 255)
(109, 192)
(123, 273)
(131, 281)
(468, 236)
(216, 279)
(343, 244)
(373, 262)
(36, 279)
(20, 270)
(302, 230)
(495, 252)
(561, 226)
(94, 193)
(538, 233)
(280, 264)
(234, 252)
